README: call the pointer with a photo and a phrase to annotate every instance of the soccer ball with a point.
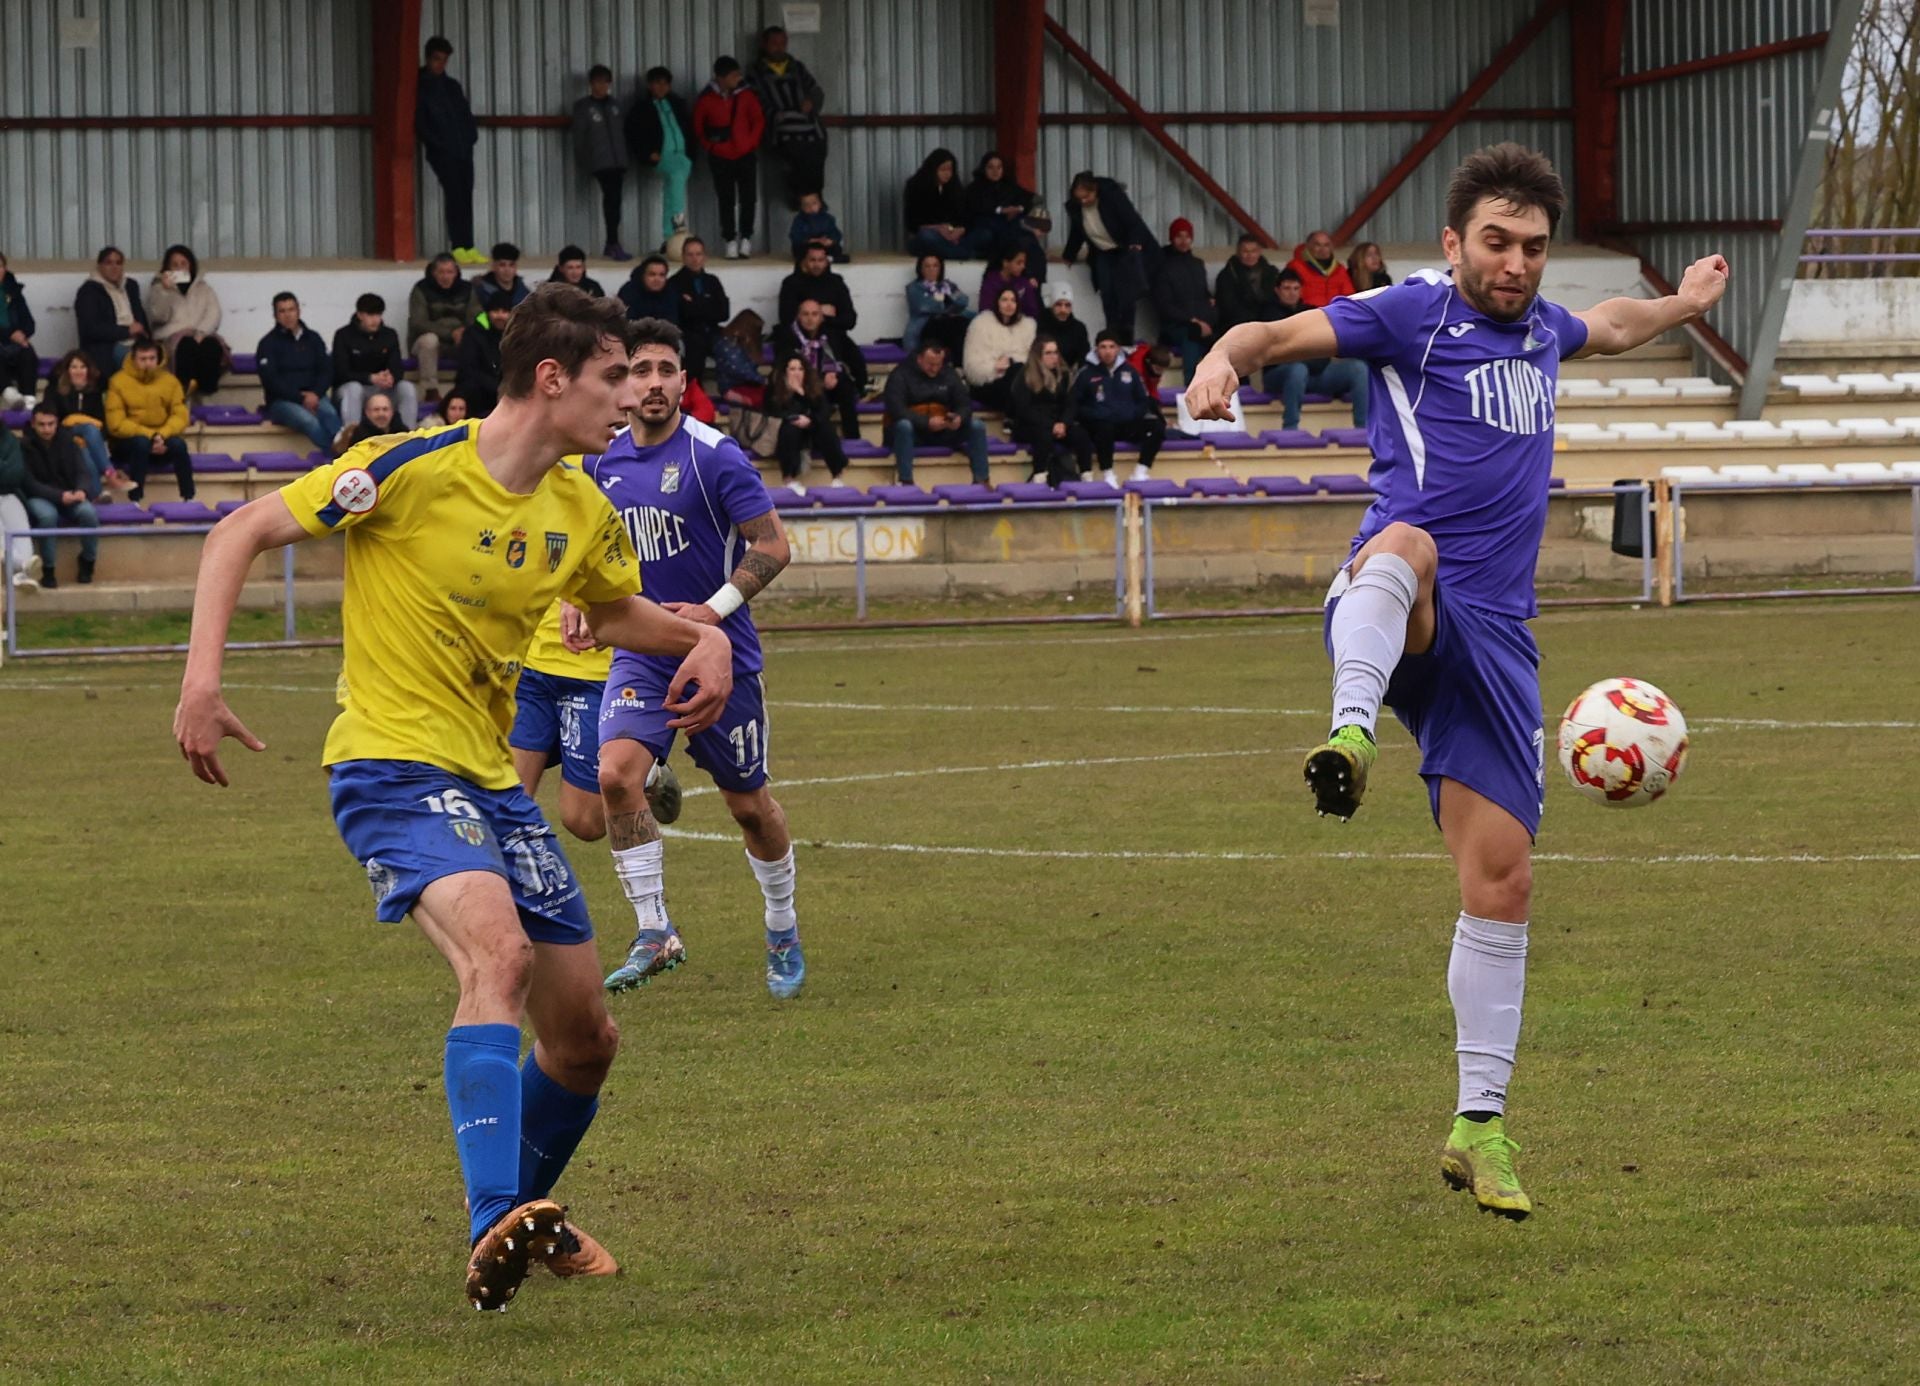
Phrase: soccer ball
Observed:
(1623, 743)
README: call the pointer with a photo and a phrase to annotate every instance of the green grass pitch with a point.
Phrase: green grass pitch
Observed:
(1115, 1063)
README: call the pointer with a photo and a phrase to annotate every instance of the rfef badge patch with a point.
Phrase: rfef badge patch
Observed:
(355, 491)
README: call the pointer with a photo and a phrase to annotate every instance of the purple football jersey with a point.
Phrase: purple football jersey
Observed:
(1461, 427)
(683, 502)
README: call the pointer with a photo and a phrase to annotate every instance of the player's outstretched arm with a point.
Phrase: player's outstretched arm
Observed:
(767, 556)
(1621, 324)
(1250, 346)
(636, 624)
(203, 720)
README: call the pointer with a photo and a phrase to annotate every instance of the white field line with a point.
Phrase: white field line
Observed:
(929, 772)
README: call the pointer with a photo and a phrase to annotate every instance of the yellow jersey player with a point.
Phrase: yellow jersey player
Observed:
(459, 539)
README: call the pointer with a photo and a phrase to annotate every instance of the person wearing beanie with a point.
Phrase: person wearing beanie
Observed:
(1059, 323)
(1181, 296)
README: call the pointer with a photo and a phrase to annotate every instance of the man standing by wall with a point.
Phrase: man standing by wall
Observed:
(443, 123)
(792, 100)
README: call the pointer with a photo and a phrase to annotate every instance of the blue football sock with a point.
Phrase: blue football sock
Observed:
(483, 1094)
(552, 1121)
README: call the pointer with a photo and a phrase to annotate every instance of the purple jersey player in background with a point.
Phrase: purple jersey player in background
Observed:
(1429, 614)
(708, 541)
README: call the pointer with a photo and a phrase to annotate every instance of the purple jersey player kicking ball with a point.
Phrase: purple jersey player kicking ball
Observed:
(708, 540)
(1429, 615)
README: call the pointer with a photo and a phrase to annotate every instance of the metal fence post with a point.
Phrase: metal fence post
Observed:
(1916, 536)
(1646, 542)
(859, 568)
(286, 592)
(1146, 550)
(1119, 561)
(1677, 523)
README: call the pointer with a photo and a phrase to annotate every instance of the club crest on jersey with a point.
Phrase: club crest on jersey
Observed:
(670, 478)
(517, 549)
(556, 550)
(472, 833)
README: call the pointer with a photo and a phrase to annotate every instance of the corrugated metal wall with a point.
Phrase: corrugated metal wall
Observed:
(1260, 55)
(1720, 145)
(301, 192)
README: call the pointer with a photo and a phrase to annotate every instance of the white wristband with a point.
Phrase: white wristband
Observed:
(726, 601)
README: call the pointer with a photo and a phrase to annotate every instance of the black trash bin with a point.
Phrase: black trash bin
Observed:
(1632, 525)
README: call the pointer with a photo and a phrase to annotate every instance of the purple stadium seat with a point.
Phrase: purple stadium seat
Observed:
(1169, 395)
(276, 461)
(208, 463)
(967, 493)
(894, 494)
(1342, 484)
(1253, 397)
(884, 353)
(841, 497)
(48, 364)
(16, 419)
(860, 447)
(1233, 442)
(932, 450)
(245, 363)
(871, 407)
(1292, 438)
(1316, 399)
(1001, 447)
(785, 499)
(1218, 486)
(1345, 437)
(1282, 486)
(227, 507)
(1089, 490)
(184, 512)
(1028, 491)
(1180, 442)
(122, 513)
(1157, 488)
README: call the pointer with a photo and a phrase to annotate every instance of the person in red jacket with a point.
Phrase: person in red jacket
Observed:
(728, 122)
(1322, 278)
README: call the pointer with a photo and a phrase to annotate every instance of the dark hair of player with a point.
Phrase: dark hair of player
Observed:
(557, 322)
(659, 332)
(1509, 173)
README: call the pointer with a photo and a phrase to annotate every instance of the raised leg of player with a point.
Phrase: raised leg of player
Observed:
(575, 1041)
(763, 826)
(470, 917)
(639, 861)
(1386, 612)
(1487, 982)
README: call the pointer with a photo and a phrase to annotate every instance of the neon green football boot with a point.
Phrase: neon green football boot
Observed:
(1479, 1156)
(1337, 771)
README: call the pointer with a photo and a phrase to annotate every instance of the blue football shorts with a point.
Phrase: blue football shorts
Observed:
(559, 718)
(733, 751)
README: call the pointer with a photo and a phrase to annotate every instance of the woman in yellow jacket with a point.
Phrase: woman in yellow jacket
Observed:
(146, 418)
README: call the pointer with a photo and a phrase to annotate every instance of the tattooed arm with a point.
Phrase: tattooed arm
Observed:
(767, 553)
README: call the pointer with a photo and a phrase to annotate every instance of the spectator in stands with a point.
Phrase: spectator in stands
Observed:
(998, 207)
(479, 375)
(1244, 289)
(570, 267)
(184, 313)
(660, 136)
(936, 308)
(1337, 376)
(695, 403)
(813, 224)
(1153, 361)
(646, 293)
(439, 310)
(1010, 272)
(296, 375)
(1367, 268)
(1120, 248)
(19, 360)
(1181, 295)
(77, 387)
(55, 496)
(1043, 412)
(600, 148)
(22, 564)
(1322, 278)
(378, 415)
(502, 280)
(996, 350)
(798, 398)
(808, 338)
(108, 313)
(443, 123)
(366, 357)
(936, 209)
(147, 419)
(736, 358)
(730, 124)
(792, 101)
(1061, 325)
(454, 408)
(703, 305)
(1111, 400)
(927, 405)
(815, 279)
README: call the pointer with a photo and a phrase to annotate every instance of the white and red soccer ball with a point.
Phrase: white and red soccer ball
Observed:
(1623, 743)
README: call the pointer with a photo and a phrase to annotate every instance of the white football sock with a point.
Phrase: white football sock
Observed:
(642, 874)
(1487, 980)
(776, 884)
(1369, 634)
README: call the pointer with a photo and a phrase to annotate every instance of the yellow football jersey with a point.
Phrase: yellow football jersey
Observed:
(448, 574)
(550, 655)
